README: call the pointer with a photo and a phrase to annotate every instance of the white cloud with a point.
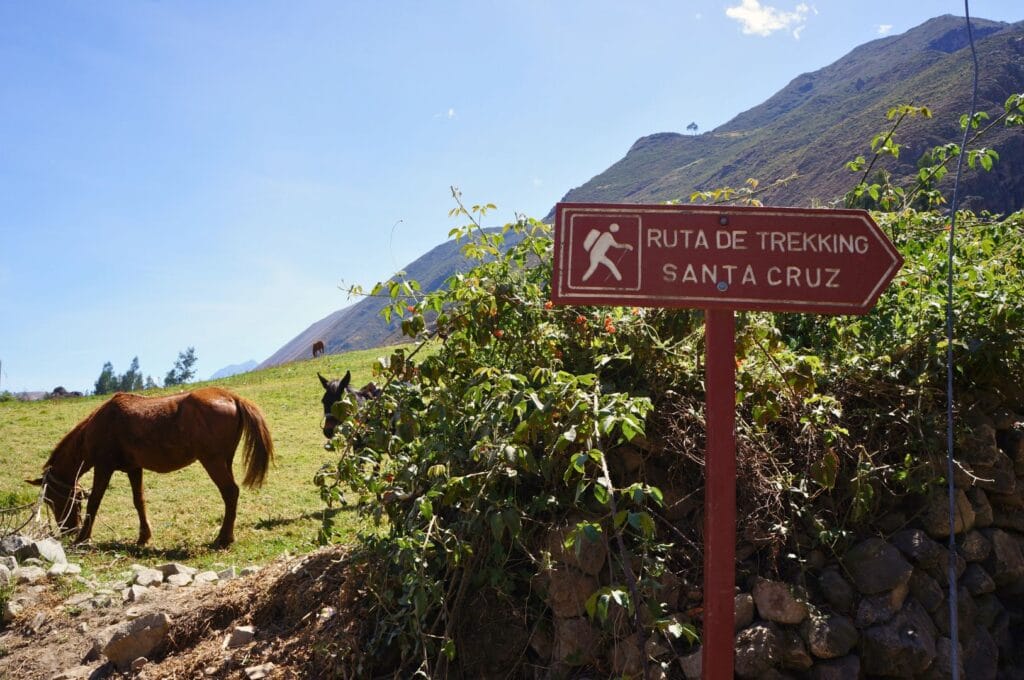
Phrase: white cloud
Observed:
(763, 20)
(447, 115)
(537, 182)
(883, 29)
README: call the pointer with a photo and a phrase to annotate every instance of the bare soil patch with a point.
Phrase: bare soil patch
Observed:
(302, 610)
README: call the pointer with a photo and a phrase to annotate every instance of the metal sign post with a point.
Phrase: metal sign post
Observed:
(720, 260)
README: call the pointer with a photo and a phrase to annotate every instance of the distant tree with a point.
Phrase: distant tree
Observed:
(150, 383)
(107, 382)
(131, 381)
(692, 128)
(184, 368)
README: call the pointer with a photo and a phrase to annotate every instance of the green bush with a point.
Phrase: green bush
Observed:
(514, 429)
(475, 453)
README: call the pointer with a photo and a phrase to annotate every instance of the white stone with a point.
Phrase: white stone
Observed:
(78, 599)
(174, 568)
(28, 574)
(205, 577)
(134, 593)
(179, 580)
(57, 569)
(51, 550)
(241, 635)
(259, 672)
(124, 643)
(12, 610)
(148, 577)
(249, 571)
(227, 574)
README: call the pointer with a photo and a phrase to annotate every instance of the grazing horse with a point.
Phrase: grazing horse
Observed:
(132, 433)
(333, 392)
(318, 348)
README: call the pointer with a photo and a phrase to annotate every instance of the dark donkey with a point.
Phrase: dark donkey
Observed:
(318, 348)
(132, 433)
(333, 392)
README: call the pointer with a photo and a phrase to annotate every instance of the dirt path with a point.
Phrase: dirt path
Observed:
(293, 605)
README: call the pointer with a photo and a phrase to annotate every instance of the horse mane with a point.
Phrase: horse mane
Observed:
(69, 448)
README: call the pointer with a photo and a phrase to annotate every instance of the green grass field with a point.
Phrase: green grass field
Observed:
(185, 508)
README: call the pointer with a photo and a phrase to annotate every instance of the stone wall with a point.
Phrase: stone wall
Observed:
(881, 611)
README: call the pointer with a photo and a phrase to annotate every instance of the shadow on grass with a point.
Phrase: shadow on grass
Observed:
(177, 553)
(275, 522)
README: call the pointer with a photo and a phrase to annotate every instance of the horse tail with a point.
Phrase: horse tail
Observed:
(258, 451)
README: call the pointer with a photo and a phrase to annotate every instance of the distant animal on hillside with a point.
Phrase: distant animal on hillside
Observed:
(318, 348)
(333, 392)
(131, 433)
(60, 393)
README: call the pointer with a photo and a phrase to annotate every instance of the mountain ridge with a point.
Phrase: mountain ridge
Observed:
(360, 325)
(810, 127)
(838, 108)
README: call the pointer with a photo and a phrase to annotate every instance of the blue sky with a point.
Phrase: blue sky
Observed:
(178, 174)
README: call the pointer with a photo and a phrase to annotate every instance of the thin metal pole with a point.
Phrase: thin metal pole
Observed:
(719, 495)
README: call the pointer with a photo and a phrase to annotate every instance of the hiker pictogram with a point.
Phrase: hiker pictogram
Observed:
(597, 243)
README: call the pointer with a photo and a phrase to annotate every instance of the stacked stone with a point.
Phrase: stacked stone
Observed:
(880, 611)
(884, 611)
(25, 565)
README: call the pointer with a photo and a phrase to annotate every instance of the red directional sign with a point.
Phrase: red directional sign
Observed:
(738, 258)
(722, 260)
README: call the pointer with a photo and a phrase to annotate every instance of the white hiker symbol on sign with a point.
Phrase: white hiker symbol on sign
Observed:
(597, 244)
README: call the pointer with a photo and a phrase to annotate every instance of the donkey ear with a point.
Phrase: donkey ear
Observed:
(323, 381)
(346, 380)
(35, 482)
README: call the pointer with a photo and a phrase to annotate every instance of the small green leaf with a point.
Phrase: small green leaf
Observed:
(426, 508)
(825, 470)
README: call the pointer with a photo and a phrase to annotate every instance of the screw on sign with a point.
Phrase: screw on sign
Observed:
(721, 260)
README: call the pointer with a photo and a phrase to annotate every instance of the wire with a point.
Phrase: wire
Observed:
(951, 561)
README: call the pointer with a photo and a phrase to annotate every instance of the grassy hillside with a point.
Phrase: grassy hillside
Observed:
(185, 508)
(361, 325)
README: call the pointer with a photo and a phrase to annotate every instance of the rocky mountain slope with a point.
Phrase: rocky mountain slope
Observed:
(822, 119)
(360, 326)
(811, 128)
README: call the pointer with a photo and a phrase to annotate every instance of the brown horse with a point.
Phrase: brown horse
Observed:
(318, 348)
(132, 433)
